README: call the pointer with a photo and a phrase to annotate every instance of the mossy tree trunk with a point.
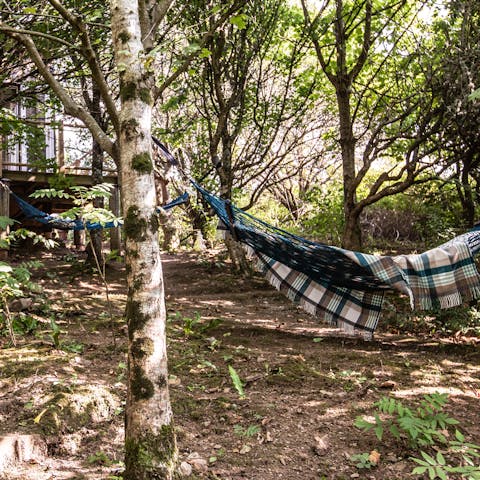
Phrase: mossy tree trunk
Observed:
(151, 451)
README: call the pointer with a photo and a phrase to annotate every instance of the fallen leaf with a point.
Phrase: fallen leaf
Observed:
(245, 449)
(374, 457)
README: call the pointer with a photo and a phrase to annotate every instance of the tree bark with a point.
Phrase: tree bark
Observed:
(150, 445)
(96, 236)
(351, 238)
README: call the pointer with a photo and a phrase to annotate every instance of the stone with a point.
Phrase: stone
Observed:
(185, 469)
(198, 463)
(20, 304)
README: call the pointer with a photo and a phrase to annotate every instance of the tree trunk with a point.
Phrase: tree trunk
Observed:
(4, 212)
(235, 250)
(96, 236)
(468, 202)
(150, 445)
(351, 238)
(166, 224)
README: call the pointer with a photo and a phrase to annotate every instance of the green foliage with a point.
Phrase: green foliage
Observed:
(463, 320)
(325, 219)
(24, 324)
(6, 222)
(82, 198)
(237, 382)
(240, 21)
(250, 431)
(362, 461)
(21, 234)
(422, 426)
(55, 333)
(15, 282)
(424, 429)
(193, 326)
(99, 458)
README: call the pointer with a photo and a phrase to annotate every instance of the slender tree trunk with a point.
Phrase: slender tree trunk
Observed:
(235, 250)
(468, 203)
(166, 224)
(352, 237)
(96, 236)
(150, 445)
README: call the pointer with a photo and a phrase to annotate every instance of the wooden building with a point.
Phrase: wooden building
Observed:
(33, 160)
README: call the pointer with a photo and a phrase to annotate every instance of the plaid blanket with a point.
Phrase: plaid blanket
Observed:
(443, 277)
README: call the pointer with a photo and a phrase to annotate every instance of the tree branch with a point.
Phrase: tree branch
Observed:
(92, 60)
(71, 107)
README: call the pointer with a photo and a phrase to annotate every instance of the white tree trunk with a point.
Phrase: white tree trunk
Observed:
(151, 451)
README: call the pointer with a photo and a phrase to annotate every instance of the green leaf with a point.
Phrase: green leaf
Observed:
(428, 458)
(419, 470)
(395, 431)
(240, 21)
(363, 424)
(237, 383)
(441, 474)
(379, 431)
(420, 462)
(475, 95)
(6, 222)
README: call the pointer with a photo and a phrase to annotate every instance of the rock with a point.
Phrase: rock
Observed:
(16, 449)
(321, 445)
(20, 304)
(185, 469)
(198, 463)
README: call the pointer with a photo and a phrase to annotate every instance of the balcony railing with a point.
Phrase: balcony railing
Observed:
(8, 167)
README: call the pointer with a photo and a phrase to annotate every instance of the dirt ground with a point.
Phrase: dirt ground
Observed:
(303, 385)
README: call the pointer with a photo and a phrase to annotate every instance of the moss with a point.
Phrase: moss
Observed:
(137, 284)
(141, 347)
(152, 456)
(142, 163)
(134, 227)
(136, 319)
(154, 223)
(142, 387)
(145, 95)
(128, 91)
(161, 381)
(130, 127)
(132, 254)
(124, 36)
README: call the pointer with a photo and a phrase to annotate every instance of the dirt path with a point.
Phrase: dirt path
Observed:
(303, 384)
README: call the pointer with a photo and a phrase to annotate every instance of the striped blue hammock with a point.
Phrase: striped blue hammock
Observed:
(61, 223)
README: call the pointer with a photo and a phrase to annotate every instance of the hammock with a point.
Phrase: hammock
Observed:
(347, 289)
(77, 224)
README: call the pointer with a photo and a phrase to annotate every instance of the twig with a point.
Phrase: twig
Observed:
(101, 272)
